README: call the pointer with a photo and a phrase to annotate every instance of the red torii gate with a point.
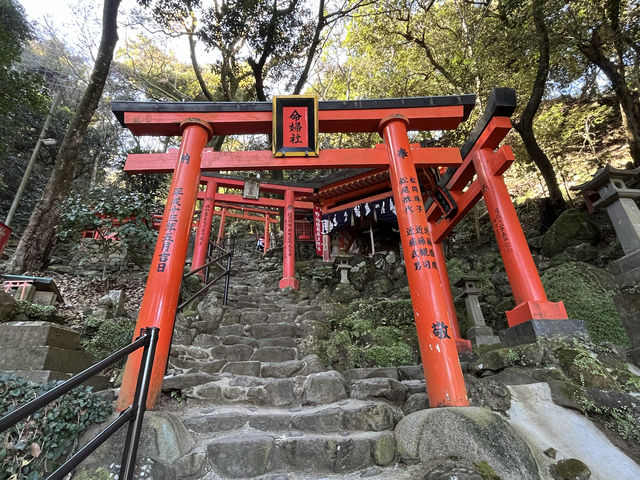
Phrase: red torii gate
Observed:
(418, 226)
(211, 197)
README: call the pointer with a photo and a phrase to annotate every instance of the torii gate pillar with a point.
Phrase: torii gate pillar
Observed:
(204, 228)
(267, 233)
(161, 294)
(443, 375)
(223, 219)
(528, 292)
(289, 245)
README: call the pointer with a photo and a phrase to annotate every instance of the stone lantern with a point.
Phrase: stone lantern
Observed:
(479, 333)
(608, 189)
(343, 266)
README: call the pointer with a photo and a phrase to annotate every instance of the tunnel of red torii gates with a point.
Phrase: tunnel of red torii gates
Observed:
(427, 207)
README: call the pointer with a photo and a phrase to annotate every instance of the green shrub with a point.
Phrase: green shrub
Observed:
(372, 333)
(101, 338)
(27, 311)
(587, 297)
(35, 447)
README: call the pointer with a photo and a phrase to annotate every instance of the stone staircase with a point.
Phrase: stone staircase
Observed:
(259, 404)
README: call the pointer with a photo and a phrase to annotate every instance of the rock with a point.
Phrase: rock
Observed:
(380, 287)
(315, 329)
(372, 416)
(410, 372)
(209, 310)
(466, 432)
(451, 469)
(344, 293)
(384, 449)
(324, 387)
(164, 440)
(245, 456)
(284, 369)
(385, 388)
(486, 392)
(415, 402)
(360, 373)
(232, 353)
(238, 340)
(273, 330)
(274, 354)
(118, 298)
(570, 469)
(186, 380)
(572, 227)
(251, 368)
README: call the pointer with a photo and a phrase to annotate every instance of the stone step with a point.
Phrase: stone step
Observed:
(347, 415)
(313, 389)
(251, 454)
(272, 330)
(191, 365)
(277, 342)
(275, 354)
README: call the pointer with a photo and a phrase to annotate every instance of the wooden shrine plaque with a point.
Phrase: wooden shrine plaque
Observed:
(295, 126)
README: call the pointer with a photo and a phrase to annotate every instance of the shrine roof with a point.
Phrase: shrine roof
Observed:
(119, 108)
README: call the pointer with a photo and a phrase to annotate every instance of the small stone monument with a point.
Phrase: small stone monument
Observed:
(479, 334)
(607, 189)
(343, 266)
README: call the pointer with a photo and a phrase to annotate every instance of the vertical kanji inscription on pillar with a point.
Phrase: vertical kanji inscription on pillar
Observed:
(443, 375)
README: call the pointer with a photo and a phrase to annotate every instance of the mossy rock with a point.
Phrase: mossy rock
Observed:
(570, 469)
(583, 368)
(587, 293)
(571, 228)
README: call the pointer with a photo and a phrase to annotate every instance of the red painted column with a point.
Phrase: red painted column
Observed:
(461, 344)
(443, 375)
(289, 246)
(158, 307)
(204, 228)
(267, 233)
(223, 219)
(528, 292)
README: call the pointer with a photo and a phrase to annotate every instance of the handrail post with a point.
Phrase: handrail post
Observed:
(139, 404)
(226, 281)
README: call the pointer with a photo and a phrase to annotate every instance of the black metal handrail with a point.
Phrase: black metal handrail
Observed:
(226, 272)
(134, 414)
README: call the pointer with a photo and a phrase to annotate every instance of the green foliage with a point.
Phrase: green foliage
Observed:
(373, 333)
(27, 311)
(101, 338)
(116, 215)
(586, 298)
(620, 420)
(36, 446)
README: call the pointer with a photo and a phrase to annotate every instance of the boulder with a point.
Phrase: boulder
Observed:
(164, 441)
(473, 433)
(571, 228)
(7, 305)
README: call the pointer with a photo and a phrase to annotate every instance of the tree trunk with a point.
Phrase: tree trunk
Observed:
(524, 126)
(629, 109)
(543, 163)
(37, 240)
